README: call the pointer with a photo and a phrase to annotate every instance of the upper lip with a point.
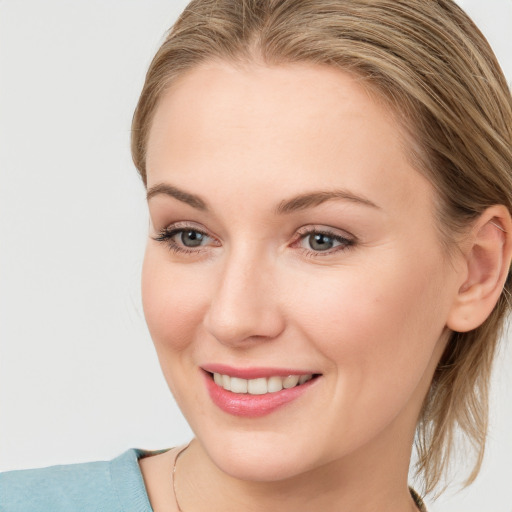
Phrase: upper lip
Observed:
(254, 372)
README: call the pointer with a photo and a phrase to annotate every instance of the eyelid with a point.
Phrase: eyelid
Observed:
(325, 230)
(166, 236)
(345, 240)
(184, 225)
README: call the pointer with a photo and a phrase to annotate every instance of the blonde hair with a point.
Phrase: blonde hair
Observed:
(432, 65)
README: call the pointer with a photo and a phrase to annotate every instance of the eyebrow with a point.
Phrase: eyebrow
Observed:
(312, 199)
(301, 202)
(185, 197)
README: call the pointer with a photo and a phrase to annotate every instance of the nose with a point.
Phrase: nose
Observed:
(244, 306)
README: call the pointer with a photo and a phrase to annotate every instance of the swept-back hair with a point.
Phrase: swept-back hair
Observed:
(428, 61)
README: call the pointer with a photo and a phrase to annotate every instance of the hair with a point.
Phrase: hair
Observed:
(429, 62)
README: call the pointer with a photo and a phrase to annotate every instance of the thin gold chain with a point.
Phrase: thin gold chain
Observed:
(414, 494)
(174, 476)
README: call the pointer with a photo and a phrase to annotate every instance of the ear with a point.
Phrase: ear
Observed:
(488, 254)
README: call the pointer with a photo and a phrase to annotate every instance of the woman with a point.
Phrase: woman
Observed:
(329, 186)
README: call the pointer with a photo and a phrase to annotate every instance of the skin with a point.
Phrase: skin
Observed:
(369, 316)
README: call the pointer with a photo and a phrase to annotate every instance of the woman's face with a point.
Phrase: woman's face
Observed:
(290, 236)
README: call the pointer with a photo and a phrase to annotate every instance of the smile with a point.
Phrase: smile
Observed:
(255, 392)
(259, 386)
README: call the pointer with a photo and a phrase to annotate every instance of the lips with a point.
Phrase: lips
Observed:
(255, 392)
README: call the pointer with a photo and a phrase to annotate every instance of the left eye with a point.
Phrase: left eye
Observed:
(320, 242)
(323, 242)
(191, 237)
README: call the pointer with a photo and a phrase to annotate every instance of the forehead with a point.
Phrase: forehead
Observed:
(295, 125)
(303, 95)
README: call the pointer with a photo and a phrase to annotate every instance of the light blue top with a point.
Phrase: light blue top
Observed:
(110, 486)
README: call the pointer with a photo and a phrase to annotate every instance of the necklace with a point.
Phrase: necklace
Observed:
(174, 476)
(417, 499)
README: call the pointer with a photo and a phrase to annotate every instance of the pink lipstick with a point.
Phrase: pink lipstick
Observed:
(255, 392)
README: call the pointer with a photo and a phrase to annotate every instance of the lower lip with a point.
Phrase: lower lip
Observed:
(253, 406)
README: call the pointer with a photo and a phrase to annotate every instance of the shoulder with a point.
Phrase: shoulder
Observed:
(113, 486)
(72, 487)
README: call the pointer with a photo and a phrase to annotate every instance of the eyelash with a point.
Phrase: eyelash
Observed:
(345, 242)
(166, 236)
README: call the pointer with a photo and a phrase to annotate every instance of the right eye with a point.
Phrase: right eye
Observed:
(184, 239)
(190, 237)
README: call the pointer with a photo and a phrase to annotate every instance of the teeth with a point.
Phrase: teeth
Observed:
(274, 384)
(304, 378)
(226, 382)
(259, 386)
(290, 381)
(238, 385)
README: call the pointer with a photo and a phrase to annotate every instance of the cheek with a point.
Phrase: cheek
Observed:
(173, 300)
(379, 333)
(376, 325)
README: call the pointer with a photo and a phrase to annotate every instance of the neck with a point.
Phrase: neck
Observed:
(354, 482)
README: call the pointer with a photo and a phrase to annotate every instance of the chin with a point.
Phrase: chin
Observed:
(258, 467)
(258, 456)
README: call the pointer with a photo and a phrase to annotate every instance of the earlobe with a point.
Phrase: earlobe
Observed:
(487, 264)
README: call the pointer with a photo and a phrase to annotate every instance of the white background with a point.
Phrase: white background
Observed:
(78, 376)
